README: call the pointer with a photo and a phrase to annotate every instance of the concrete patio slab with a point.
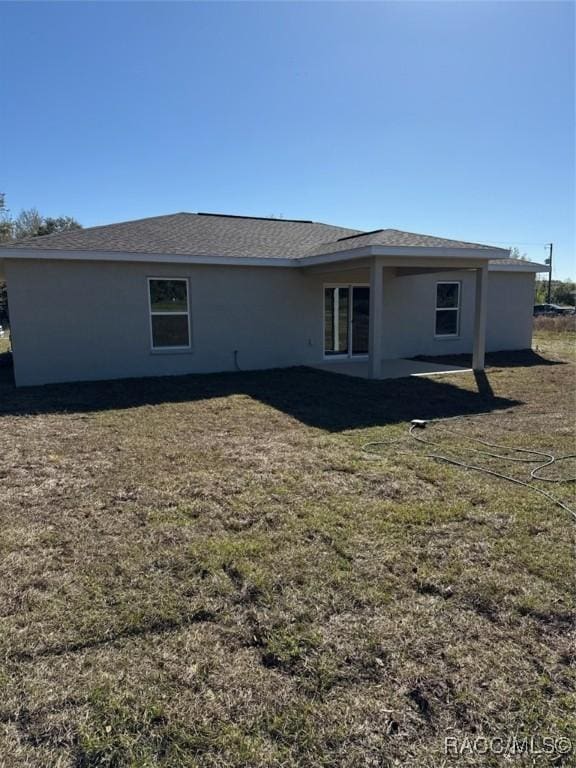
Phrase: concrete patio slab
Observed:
(389, 369)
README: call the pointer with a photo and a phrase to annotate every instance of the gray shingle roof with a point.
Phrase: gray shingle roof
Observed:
(193, 234)
(200, 234)
(391, 237)
(511, 262)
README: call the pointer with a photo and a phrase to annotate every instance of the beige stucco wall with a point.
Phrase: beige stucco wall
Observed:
(74, 320)
(409, 313)
(90, 320)
(510, 310)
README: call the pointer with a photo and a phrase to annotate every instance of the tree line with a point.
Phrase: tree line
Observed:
(562, 292)
(30, 223)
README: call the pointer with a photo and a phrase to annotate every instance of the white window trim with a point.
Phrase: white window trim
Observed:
(448, 309)
(343, 356)
(152, 313)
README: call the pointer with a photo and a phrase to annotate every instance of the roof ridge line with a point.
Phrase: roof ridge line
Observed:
(359, 234)
(437, 237)
(257, 218)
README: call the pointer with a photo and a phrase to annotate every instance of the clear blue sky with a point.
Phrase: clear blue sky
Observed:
(450, 118)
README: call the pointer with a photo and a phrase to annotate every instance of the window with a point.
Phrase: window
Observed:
(447, 309)
(169, 313)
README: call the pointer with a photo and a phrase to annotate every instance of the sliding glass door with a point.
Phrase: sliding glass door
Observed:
(346, 320)
(360, 319)
(336, 320)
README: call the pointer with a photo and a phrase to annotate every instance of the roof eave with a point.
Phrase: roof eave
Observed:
(54, 254)
(408, 251)
(472, 254)
(521, 266)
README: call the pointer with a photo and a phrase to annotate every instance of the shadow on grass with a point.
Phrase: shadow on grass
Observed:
(523, 358)
(147, 628)
(483, 384)
(325, 400)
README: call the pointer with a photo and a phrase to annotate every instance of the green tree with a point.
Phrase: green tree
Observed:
(541, 292)
(564, 292)
(60, 224)
(26, 224)
(5, 221)
(515, 254)
(30, 223)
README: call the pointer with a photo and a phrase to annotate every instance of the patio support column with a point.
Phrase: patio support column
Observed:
(376, 317)
(480, 311)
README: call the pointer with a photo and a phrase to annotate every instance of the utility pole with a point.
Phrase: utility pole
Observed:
(549, 262)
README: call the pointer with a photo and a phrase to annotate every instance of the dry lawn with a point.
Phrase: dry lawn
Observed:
(5, 342)
(556, 334)
(208, 571)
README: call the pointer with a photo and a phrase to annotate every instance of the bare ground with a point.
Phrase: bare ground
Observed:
(208, 571)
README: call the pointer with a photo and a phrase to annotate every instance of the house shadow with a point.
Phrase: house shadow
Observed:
(328, 401)
(523, 358)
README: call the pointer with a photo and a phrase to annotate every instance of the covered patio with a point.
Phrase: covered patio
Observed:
(394, 323)
(377, 269)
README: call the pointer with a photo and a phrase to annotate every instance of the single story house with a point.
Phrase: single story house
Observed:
(202, 292)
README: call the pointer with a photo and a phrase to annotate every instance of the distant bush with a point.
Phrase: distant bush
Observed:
(562, 292)
(559, 324)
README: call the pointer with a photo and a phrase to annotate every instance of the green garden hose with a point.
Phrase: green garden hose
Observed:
(536, 458)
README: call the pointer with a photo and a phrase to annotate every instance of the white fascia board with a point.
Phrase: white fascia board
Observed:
(441, 252)
(483, 254)
(157, 258)
(257, 261)
(522, 266)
